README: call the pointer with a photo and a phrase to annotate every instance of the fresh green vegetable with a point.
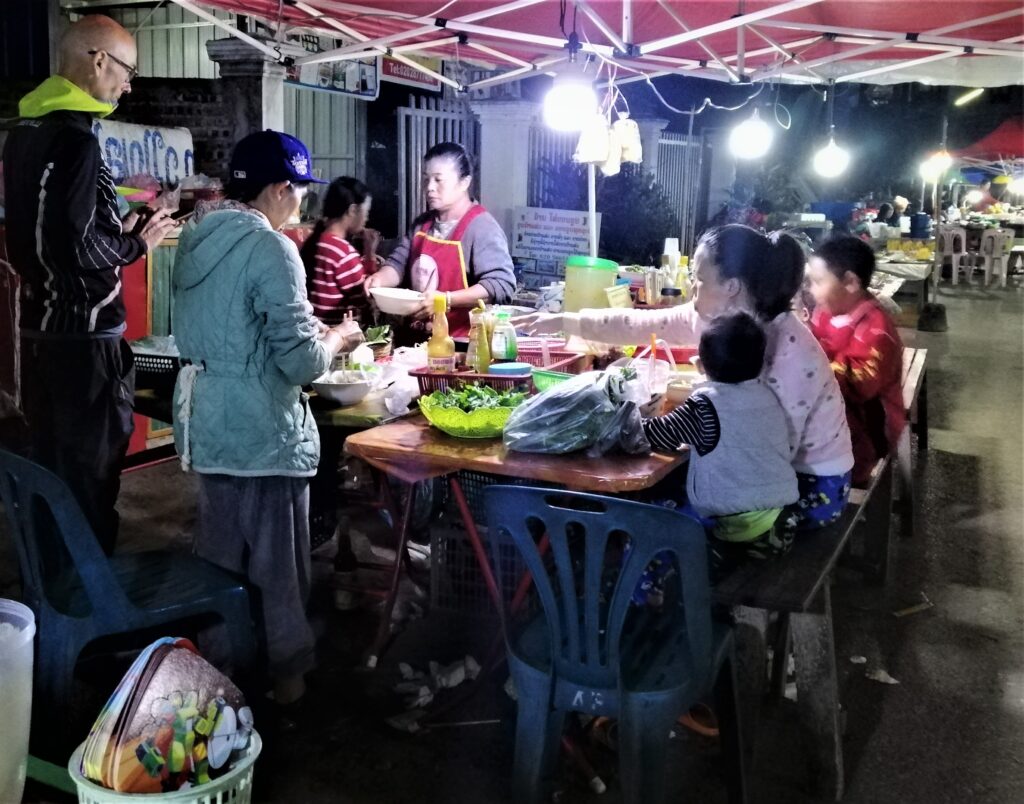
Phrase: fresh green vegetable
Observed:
(476, 397)
(377, 336)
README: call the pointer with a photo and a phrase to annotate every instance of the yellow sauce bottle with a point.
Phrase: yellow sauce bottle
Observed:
(440, 347)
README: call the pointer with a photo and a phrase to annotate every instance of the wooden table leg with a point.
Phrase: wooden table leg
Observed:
(384, 628)
(904, 485)
(818, 696)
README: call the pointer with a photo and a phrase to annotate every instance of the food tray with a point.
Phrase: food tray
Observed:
(567, 362)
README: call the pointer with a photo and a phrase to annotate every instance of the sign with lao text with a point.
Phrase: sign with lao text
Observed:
(129, 149)
(543, 238)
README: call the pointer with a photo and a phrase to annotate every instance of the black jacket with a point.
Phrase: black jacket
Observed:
(63, 230)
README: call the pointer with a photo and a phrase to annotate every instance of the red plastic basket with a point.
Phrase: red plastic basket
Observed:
(567, 362)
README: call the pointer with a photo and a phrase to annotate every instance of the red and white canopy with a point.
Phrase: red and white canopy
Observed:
(976, 43)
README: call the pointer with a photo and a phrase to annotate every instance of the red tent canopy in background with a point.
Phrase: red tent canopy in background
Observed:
(1005, 142)
(943, 42)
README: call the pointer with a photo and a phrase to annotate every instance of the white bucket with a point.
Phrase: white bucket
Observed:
(17, 630)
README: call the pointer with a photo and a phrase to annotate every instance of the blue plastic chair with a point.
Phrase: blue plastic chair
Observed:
(590, 650)
(79, 595)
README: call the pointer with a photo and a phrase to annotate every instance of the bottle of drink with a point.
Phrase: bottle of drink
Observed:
(503, 341)
(440, 347)
(478, 353)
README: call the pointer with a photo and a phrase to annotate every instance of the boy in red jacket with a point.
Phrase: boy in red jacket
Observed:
(862, 343)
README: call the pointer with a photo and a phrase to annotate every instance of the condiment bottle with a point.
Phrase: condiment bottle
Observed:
(440, 347)
(503, 341)
(478, 353)
(671, 296)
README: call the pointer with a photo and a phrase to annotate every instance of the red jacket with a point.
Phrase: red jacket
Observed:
(867, 357)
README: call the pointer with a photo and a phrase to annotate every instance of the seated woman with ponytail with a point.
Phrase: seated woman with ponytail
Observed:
(739, 269)
(335, 269)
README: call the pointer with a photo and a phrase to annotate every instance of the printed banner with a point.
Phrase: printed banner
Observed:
(543, 238)
(129, 149)
(358, 77)
(398, 73)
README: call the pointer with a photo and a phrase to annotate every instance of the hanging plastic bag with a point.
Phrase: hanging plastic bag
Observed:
(628, 134)
(593, 141)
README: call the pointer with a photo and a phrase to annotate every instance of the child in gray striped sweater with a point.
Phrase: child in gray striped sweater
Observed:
(739, 476)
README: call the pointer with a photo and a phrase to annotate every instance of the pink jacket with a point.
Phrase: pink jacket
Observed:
(795, 368)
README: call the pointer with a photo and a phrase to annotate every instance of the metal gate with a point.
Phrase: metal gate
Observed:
(548, 151)
(682, 166)
(419, 129)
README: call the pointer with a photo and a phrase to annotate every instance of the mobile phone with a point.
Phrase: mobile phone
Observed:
(182, 215)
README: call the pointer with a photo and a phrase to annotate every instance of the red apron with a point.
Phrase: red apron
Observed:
(440, 265)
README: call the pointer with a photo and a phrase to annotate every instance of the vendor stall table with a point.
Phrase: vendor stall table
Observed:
(412, 451)
(917, 272)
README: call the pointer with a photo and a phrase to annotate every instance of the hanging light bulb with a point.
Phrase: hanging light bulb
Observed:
(935, 166)
(1017, 186)
(751, 139)
(831, 161)
(968, 96)
(571, 102)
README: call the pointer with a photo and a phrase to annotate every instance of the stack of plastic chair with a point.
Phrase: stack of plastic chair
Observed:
(996, 245)
(79, 595)
(590, 649)
(952, 244)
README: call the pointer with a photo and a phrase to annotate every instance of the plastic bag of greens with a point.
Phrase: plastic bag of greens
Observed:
(623, 431)
(567, 417)
(574, 414)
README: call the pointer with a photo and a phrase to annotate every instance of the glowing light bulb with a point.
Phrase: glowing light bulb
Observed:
(571, 102)
(831, 161)
(751, 139)
(973, 197)
(1017, 186)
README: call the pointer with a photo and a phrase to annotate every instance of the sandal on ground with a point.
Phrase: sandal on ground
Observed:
(701, 719)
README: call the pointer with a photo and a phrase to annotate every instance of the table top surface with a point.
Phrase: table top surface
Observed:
(413, 450)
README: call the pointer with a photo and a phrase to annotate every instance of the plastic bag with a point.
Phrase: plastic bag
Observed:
(574, 414)
(623, 431)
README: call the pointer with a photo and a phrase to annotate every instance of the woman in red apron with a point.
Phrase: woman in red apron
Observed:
(456, 248)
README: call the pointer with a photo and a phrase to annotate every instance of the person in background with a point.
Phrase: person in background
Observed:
(900, 207)
(863, 345)
(68, 244)
(739, 269)
(456, 247)
(249, 342)
(884, 214)
(740, 477)
(335, 270)
(982, 197)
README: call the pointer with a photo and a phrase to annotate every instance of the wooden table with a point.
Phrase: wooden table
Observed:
(412, 451)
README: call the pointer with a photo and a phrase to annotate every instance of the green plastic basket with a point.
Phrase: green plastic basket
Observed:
(235, 786)
(483, 423)
(544, 379)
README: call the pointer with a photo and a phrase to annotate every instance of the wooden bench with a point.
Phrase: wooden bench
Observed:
(797, 589)
(915, 403)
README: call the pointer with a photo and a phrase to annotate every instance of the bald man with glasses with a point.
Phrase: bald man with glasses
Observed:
(68, 244)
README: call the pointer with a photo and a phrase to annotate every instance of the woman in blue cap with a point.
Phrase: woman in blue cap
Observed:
(249, 342)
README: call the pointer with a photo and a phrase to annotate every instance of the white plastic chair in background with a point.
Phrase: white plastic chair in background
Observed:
(951, 242)
(995, 253)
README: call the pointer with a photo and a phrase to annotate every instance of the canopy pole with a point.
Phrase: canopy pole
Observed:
(592, 207)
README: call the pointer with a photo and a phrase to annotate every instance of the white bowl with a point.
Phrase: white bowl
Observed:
(344, 393)
(396, 301)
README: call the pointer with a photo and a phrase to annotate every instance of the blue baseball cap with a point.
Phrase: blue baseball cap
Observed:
(272, 156)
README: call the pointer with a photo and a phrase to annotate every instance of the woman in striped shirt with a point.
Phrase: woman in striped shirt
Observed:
(335, 269)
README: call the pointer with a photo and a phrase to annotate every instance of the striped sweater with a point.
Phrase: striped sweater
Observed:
(337, 281)
(64, 234)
